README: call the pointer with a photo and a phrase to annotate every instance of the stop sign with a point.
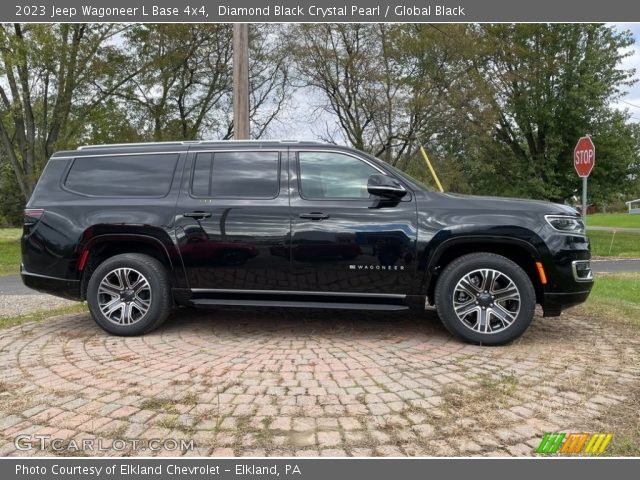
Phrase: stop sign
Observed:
(584, 156)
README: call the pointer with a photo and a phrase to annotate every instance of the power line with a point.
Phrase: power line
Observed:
(630, 104)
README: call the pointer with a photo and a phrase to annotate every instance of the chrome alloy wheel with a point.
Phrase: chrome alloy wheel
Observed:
(486, 301)
(124, 296)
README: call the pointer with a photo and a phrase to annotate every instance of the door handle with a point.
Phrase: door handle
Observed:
(196, 215)
(315, 216)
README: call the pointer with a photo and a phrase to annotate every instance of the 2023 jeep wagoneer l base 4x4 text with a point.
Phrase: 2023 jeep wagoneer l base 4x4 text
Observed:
(137, 229)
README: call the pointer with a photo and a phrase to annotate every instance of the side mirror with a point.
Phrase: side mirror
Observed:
(385, 186)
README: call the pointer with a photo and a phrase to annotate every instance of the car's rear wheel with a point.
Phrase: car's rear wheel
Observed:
(485, 298)
(129, 294)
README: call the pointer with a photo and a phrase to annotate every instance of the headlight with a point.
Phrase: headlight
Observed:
(565, 224)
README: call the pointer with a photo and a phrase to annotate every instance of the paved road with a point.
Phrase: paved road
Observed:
(12, 284)
(614, 266)
(616, 229)
(256, 382)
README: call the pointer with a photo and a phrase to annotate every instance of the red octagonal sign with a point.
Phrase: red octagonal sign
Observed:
(584, 156)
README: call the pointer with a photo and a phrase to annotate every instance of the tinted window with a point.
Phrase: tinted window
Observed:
(123, 175)
(236, 175)
(333, 175)
(201, 181)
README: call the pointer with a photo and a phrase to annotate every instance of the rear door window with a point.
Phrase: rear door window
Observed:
(148, 175)
(236, 175)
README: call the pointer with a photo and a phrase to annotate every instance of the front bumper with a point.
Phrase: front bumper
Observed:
(60, 287)
(568, 268)
(554, 303)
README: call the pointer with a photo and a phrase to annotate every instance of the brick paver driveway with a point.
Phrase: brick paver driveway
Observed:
(294, 382)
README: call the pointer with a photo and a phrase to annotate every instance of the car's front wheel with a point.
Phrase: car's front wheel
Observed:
(485, 298)
(129, 294)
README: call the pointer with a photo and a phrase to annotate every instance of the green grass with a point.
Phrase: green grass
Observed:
(620, 244)
(6, 322)
(617, 296)
(10, 251)
(623, 220)
(626, 444)
(608, 244)
(10, 234)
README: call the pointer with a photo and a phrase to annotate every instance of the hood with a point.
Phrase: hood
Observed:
(505, 204)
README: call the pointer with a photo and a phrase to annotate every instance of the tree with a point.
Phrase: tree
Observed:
(449, 100)
(340, 62)
(184, 90)
(186, 73)
(48, 85)
(391, 88)
(499, 106)
(270, 87)
(551, 84)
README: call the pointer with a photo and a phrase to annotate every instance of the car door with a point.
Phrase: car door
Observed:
(343, 239)
(232, 220)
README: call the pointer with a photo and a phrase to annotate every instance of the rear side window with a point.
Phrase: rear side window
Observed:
(122, 175)
(236, 175)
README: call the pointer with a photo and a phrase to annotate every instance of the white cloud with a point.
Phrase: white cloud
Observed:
(631, 100)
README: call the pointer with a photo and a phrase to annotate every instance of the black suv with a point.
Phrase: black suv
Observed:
(138, 229)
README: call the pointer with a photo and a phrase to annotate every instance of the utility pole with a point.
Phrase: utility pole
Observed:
(241, 81)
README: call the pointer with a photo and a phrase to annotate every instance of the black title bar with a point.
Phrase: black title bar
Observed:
(319, 11)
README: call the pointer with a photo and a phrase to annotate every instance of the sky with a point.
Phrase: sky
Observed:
(631, 101)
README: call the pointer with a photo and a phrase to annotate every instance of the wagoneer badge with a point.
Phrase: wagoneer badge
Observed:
(376, 267)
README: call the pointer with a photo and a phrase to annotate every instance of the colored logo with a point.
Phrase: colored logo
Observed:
(574, 443)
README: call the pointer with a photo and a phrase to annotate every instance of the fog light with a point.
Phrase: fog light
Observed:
(582, 270)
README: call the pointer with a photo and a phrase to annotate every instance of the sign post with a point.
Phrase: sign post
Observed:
(584, 200)
(584, 158)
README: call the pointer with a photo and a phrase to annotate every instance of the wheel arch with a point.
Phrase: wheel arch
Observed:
(522, 252)
(98, 248)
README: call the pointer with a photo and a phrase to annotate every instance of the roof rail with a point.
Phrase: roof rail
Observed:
(190, 142)
(133, 144)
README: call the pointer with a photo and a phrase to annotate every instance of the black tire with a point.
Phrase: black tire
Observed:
(471, 326)
(158, 301)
